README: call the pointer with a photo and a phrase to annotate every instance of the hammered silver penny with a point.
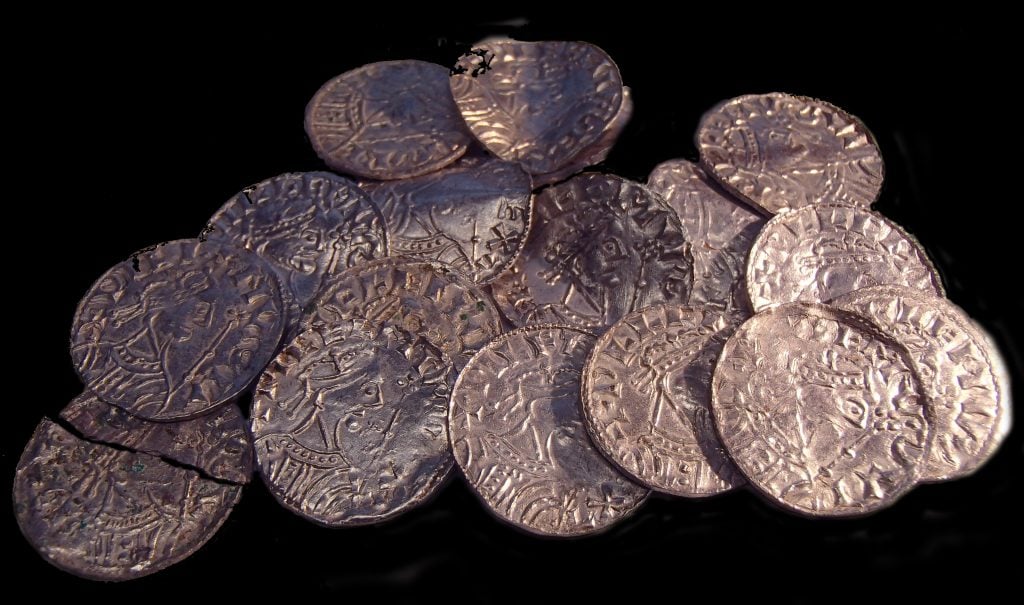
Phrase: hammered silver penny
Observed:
(518, 436)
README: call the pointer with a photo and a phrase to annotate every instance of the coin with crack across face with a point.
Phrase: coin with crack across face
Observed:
(784, 152)
(518, 436)
(387, 120)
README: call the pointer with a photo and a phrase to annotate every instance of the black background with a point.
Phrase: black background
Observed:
(128, 135)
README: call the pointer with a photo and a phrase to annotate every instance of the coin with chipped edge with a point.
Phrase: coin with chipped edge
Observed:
(426, 298)
(821, 411)
(600, 247)
(647, 399)
(387, 120)
(349, 423)
(217, 444)
(538, 104)
(817, 253)
(472, 215)
(111, 515)
(720, 230)
(517, 434)
(958, 369)
(178, 329)
(783, 152)
(307, 226)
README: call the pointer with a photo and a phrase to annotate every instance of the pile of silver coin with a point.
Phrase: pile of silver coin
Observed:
(467, 298)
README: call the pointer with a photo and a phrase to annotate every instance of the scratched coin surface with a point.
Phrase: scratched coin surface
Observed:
(956, 363)
(784, 152)
(647, 398)
(307, 226)
(720, 231)
(518, 436)
(217, 444)
(177, 329)
(818, 253)
(350, 425)
(472, 215)
(822, 412)
(426, 298)
(600, 247)
(387, 120)
(538, 104)
(107, 514)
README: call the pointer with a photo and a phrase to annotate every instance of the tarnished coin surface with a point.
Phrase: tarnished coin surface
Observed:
(538, 104)
(178, 329)
(217, 443)
(720, 231)
(784, 152)
(307, 226)
(350, 424)
(822, 412)
(600, 247)
(817, 253)
(107, 514)
(472, 215)
(957, 365)
(426, 298)
(647, 398)
(518, 436)
(387, 120)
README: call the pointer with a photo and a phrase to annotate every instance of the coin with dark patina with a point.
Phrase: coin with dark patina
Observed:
(720, 231)
(647, 398)
(425, 298)
(217, 444)
(518, 436)
(784, 152)
(538, 104)
(819, 252)
(177, 329)
(307, 226)
(108, 514)
(349, 423)
(821, 411)
(387, 120)
(472, 215)
(970, 404)
(600, 247)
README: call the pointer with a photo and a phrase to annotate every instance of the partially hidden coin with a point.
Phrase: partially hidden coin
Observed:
(518, 436)
(307, 226)
(387, 120)
(647, 398)
(538, 104)
(821, 411)
(472, 215)
(600, 247)
(349, 423)
(108, 514)
(784, 152)
(959, 373)
(419, 297)
(178, 329)
(217, 444)
(818, 253)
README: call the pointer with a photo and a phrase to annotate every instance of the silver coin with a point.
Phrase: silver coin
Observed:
(818, 253)
(958, 369)
(600, 247)
(350, 425)
(822, 412)
(518, 436)
(784, 152)
(472, 215)
(178, 329)
(647, 399)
